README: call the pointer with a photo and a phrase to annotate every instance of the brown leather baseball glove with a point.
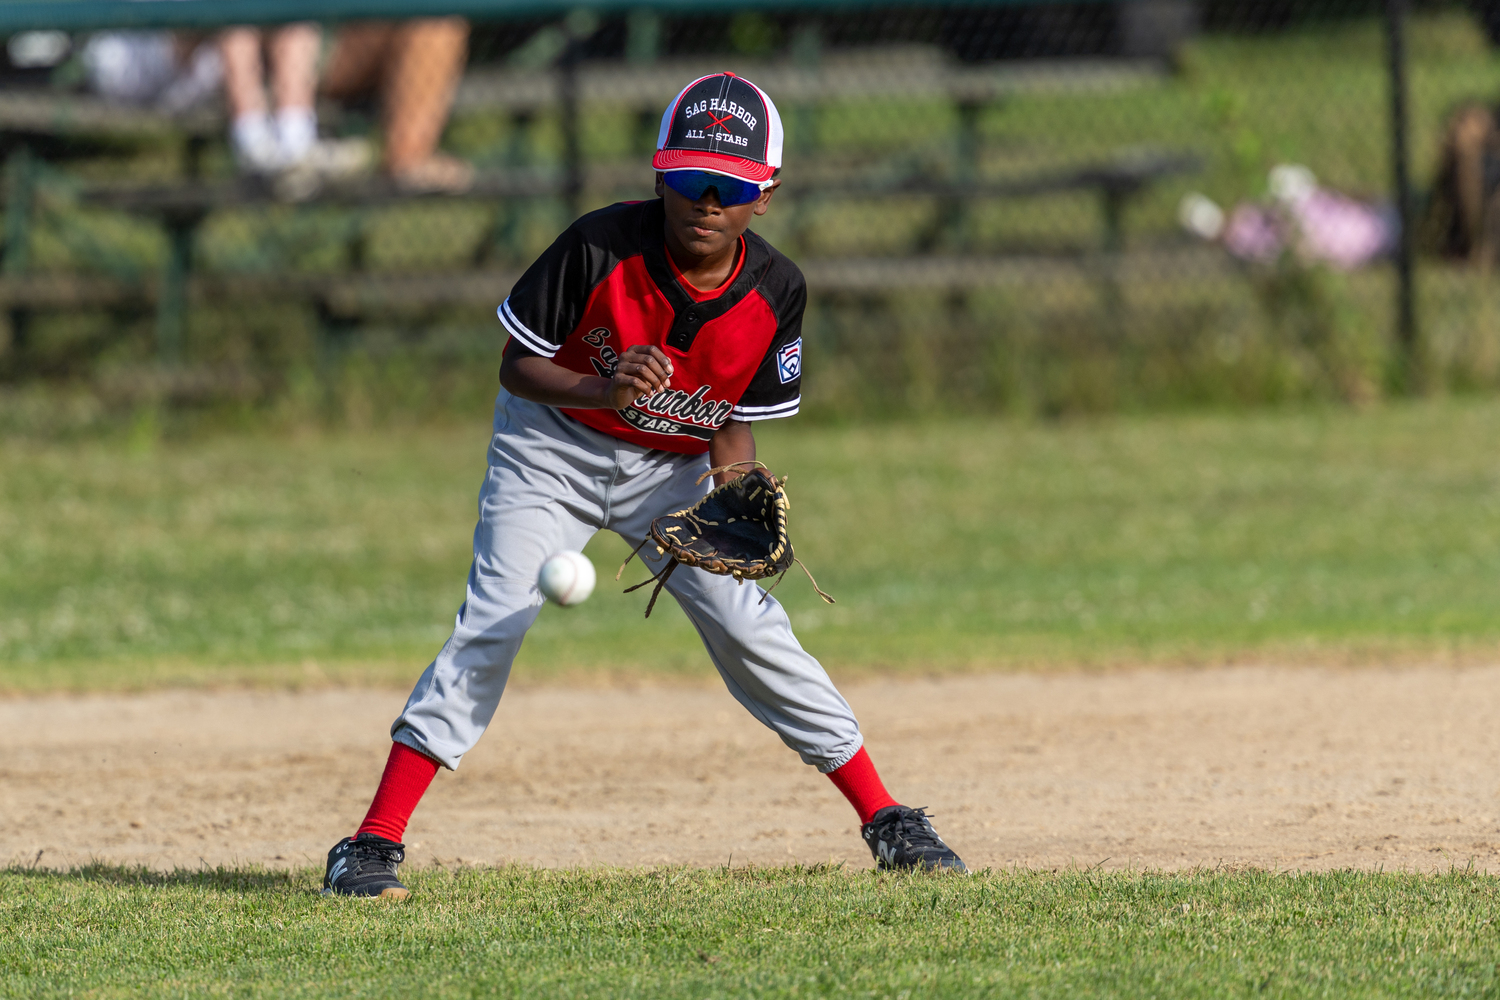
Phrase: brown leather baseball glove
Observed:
(738, 530)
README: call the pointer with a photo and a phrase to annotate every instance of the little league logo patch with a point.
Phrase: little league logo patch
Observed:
(789, 361)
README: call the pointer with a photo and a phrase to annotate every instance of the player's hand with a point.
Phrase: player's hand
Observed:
(642, 371)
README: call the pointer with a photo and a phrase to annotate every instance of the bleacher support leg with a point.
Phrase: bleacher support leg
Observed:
(647, 124)
(642, 37)
(965, 172)
(1114, 199)
(20, 202)
(1111, 293)
(567, 67)
(171, 303)
(502, 240)
(807, 55)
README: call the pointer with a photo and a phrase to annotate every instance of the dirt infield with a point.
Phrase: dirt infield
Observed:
(1305, 768)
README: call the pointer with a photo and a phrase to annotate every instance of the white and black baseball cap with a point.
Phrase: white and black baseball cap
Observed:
(722, 123)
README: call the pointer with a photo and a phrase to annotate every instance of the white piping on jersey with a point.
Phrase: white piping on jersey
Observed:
(518, 330)
(748, 413)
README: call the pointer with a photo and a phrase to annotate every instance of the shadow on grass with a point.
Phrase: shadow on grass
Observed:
(219, 879)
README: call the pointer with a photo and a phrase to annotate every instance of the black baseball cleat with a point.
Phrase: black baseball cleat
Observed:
(903, 838)
(365, 866)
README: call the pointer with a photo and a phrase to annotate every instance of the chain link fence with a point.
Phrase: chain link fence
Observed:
(1029, 208)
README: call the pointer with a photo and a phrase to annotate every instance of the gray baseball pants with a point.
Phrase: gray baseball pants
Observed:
(552, 483)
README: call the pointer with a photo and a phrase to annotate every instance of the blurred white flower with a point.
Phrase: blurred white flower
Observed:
(1291, 183)
(1200, 216)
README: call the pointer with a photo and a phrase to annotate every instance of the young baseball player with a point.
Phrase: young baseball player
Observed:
(643, 346)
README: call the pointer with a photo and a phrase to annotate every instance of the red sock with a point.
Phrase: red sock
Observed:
(861, 785)
(407, 775)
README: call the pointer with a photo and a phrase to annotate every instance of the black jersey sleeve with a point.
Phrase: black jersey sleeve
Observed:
(776, 388)
(548, 302)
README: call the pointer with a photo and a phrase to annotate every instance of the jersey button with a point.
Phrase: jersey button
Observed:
(691, 316)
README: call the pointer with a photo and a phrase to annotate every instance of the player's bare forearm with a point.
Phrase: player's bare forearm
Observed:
(641, 371)
(732, 443)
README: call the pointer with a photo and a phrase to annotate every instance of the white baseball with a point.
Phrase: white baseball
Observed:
(567, 578)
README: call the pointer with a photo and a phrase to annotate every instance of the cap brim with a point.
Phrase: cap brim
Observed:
(731, 166)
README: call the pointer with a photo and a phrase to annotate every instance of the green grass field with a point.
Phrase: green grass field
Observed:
(791, 932)
(1290, 535)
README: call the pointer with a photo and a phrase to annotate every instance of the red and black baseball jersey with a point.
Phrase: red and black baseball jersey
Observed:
(608, 284)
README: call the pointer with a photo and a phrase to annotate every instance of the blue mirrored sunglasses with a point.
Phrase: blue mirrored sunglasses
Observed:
(692, 184)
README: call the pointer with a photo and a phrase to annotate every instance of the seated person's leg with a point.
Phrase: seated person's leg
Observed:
(252, 135)
(294, 79)
(244, 78)
(427, 60)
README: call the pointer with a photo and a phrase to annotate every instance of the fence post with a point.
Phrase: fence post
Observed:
(1406, 306)
(643, 44)
(572, 142)
(578, 27)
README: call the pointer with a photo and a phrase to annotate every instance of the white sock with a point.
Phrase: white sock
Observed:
(297, 128)
(254, 140)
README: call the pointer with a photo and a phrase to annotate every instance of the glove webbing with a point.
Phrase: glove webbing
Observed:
(660, 579)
